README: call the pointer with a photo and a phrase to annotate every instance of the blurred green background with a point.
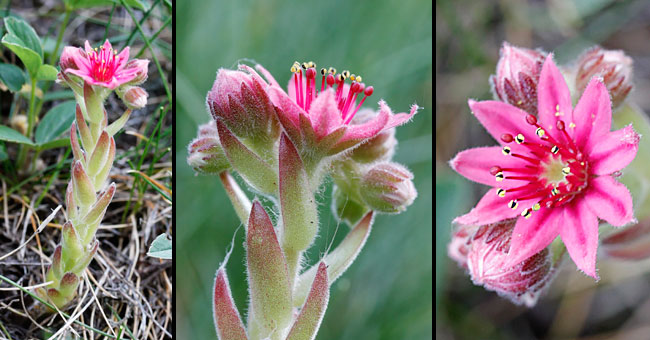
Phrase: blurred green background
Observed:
(387, 292)
(469, 35)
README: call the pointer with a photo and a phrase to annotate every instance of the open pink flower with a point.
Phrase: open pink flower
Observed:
(555, 171)
(324, 118)
(103, 67)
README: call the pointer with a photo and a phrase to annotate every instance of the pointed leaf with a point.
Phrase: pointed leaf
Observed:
(102, 176)
(69, 283)
(100, 154)
(311, 314)
(72, 248)
(84, 131)
(98, 210)
(299, 211)
(338, 260)
(119, 123)
(94, 105)
(83, 187)
(226, 317)
(267, 273)
(249, 165)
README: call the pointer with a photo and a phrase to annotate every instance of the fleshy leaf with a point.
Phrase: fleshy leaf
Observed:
(299, 212)
(227, 321)
(249, 165)
(311, 314)
(267, 273)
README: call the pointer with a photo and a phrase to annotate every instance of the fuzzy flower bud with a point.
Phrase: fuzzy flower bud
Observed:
(240, 99)
(460, 244)
(134, 97)
(346, 208)
(205, 153)
(522, 283)
(378, 148)
(141, 69)
(387, 187)
(517, 76)
(613, 66)
(630, 243)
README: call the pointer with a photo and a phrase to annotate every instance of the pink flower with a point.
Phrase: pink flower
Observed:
(517, 76)
(103, 67)
(555, 171)
(324, 118)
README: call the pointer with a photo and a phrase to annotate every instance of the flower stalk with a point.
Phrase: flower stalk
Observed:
(92, 75)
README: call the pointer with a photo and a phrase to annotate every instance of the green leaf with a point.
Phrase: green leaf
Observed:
(47, 72)
(161, 247)
(23, 41)
(57, 143)
(77, 4)
(11, 135)
(55, 122)
(12, 76)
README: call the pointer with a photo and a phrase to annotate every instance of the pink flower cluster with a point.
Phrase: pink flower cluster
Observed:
(554, 170)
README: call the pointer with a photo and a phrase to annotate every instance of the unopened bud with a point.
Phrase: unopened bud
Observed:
(378, 148)
(387, 187)
(522, 283)
(630, 243)
(613, 66)
(517, 76)
(134, 97)
(141, 69)
(460, 244)
(205, 153)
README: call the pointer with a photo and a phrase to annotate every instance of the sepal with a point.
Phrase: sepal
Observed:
(84, 191)
(311, 315)
(227, 321)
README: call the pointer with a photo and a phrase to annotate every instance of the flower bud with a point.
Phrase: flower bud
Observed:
(240, 99)
(67, 60)
(134, 97)
(205, 153)
(630, 243)
(522, 283)
(517, 76)
(460, 244)
(387, 187)
(141, 69)
(613, 66)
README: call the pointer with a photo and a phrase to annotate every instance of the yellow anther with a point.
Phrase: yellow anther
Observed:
(341, 77)
(566, 170)
(513, 204)
(499, 176)
(358, 78)
(536, 207)
(353, 77)
(345, 74)
(526, 213)
(305, 66)
(506, 150)
(332, 70)
(501, 192)
(323, 71)
(540, 132)
(554, 191)
(555, 149)
(294, 69)
(519, 138)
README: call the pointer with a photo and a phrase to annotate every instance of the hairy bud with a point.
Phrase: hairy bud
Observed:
(205, 153)
(387, 187)
(613, 66)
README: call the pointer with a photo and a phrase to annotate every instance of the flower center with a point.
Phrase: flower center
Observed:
(555, 172)
(103, 63)
(305, 95)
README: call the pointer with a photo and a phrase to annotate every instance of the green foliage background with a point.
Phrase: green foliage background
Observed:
(387, 293)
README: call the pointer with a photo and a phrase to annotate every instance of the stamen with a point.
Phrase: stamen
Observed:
(513, 204)
(501, 192)
(519, 139)
(526, 213)
(506, 150)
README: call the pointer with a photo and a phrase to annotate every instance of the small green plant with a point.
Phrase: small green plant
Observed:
(92, 74)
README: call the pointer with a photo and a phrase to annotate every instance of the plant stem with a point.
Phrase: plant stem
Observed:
(22, 154)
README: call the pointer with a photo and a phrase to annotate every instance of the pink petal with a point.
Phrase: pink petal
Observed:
(475, 164)
(552, 96)
(610, 200)
(492, 208)
(533, 234)
(285, 104)
(267, 75)
(614, 151)
(107, 45)
(579, 232)
(324, 114)
(123, 57)
(368, 129)
(399, 118)
(89, 48)
(592, 116)
(500, 118)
